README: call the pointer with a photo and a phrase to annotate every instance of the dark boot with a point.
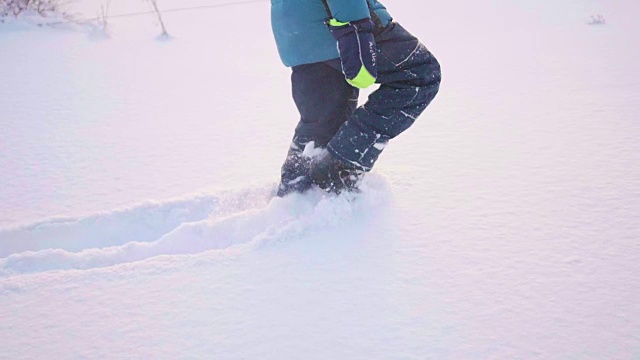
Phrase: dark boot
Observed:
(295, 170)
(333, 175)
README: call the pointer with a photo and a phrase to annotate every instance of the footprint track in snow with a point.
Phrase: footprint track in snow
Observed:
(239, 220)
(123, 235)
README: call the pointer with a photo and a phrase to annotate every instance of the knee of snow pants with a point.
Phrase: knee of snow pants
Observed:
(409, 77)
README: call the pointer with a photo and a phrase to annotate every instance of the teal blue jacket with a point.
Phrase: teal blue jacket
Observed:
(300, 31)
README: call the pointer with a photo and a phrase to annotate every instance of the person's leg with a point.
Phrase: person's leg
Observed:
(410, 78)
(325, 101)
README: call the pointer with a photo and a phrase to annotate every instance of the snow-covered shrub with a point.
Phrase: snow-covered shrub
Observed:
(597, 20)
(17, 7)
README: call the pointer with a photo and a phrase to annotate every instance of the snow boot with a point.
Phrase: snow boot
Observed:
(294, 175)
(333, 175)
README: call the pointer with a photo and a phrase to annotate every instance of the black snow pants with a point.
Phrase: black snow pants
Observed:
(409, 78)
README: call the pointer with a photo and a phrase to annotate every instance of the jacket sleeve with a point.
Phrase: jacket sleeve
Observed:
(349, 10)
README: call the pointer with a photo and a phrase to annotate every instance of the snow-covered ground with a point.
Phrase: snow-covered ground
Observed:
(136, 173)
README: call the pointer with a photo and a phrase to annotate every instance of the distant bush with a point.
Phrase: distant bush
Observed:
(597, 20)
(17, 7)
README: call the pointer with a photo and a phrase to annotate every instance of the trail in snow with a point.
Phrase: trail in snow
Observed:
(145, 222)
(232, 221)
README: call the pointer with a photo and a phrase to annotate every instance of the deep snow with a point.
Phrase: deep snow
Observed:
(136, 176)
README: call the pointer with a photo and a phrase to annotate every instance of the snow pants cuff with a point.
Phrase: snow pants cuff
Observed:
(357, 148)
